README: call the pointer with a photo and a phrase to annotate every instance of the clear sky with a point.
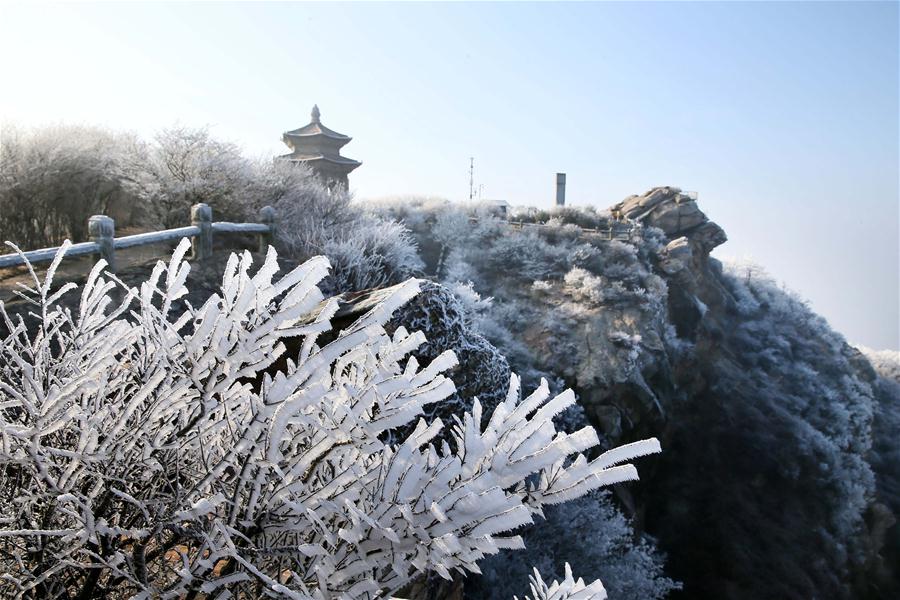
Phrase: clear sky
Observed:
(783, 116)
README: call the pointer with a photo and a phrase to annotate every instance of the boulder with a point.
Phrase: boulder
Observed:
(677, 256)
(674, 212)
(708, 236)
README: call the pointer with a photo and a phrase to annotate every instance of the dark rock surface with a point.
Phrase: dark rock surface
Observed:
(764, 487)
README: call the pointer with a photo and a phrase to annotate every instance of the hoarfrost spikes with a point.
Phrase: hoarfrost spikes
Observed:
(568, 589)
(164, 454)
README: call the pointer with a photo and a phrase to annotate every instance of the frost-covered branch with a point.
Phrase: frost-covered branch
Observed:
(569, 589)
(148, 452)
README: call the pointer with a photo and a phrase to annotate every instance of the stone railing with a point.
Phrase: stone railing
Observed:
(616, 231)
(102, 230)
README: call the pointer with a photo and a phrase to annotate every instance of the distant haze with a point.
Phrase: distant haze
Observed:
(783, 116)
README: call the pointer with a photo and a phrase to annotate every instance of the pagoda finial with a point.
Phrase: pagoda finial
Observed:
(315, 113)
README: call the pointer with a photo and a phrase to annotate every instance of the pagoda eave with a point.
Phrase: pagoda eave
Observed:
(313, 139)
(314, 130)
(348, 163)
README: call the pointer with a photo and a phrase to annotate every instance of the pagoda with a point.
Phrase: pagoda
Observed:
(320, 148)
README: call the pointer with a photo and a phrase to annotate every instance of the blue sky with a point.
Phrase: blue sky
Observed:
(783, 116)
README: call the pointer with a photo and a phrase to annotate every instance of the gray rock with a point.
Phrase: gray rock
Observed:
(675, 213)
(708, 236)
(610, 420)
(677, 256)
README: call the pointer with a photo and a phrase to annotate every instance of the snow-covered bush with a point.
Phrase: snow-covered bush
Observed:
(186, 166)
(364, 249)
(885, 459)
(541, 286)
(584, 286)
(606, 549)
(308, 210)
(526, 255)
(370, 253)
(885, 362)
(415, 212)
(569, 589)
(145, 454)
(54, 178)
(583, 216)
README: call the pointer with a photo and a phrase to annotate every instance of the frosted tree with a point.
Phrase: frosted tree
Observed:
(148, 451)
(188, 165)
(54, 178)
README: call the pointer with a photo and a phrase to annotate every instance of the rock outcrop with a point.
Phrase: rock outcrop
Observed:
(763, 411)
(675, 212)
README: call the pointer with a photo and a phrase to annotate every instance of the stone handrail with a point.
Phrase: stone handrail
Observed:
(612, 233)
(103, 241)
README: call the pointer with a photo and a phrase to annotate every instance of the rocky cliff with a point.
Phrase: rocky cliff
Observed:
(765, 487)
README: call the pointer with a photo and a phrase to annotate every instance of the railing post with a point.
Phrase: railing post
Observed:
(267, 217)
(102, 230)
(201, 245)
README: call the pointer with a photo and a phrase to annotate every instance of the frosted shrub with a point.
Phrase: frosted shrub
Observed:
(413, 211)
(475, 305)
(371, 253)
(525, 255)
(607, 548)
(308, 211)
(188, 165)
(542, 286)
(364, 250)
(457, 269)
(148, 453)
(582, 216)
(451, 227)
(53, 178)
(569, 589)
(583, 286)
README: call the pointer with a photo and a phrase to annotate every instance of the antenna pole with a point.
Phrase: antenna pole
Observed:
(471, 178)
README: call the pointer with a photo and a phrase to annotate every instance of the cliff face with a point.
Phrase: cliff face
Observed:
(764, 488)
(769, 431)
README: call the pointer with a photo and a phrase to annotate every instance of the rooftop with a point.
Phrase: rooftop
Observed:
(332, 158)
(315, 128)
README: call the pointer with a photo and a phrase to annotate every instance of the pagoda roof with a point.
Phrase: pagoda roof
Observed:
(335, 159)
(315, 128)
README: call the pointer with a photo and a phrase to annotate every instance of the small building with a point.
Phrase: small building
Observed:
(499, 208)
(320, 148)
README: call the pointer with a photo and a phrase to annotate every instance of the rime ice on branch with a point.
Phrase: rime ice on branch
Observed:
(146, 453)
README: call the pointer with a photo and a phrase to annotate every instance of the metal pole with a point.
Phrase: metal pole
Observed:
(471, 178)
